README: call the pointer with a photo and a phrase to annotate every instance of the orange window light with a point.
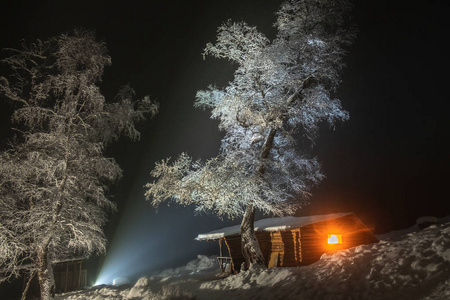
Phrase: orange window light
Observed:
(335, 239)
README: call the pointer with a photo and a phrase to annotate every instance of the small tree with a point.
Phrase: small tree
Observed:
(54, 178)
(281, 89)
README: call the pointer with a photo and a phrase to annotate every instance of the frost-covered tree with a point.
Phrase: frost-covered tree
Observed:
(282, 89)
(54, 177)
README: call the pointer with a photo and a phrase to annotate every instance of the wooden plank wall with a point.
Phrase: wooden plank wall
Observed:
(292, 254)
(279, 248)
(305, 245)
(69, 277)
(271, 246)
(234, 248)
(314, 236)
(66, 280)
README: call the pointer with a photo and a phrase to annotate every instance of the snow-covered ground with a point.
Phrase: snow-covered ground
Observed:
(408, 264)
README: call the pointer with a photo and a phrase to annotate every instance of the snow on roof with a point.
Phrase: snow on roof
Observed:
(270, 224)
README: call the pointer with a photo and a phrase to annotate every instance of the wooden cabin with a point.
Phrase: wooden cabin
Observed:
(292, 241)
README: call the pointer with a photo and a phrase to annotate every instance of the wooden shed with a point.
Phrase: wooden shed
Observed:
(292, 241)
(69, 275)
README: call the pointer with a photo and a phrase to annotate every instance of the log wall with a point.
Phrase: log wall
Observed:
(314, 236)
(305, 245)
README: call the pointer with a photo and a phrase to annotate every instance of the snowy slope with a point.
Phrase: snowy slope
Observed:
(411, 264)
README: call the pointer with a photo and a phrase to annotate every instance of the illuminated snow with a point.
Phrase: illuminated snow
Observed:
(408, 264)
(120, 281)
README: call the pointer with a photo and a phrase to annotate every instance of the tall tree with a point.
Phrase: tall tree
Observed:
(282, 89)
(54, 178)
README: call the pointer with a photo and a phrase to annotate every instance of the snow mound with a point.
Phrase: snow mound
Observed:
(202, 264)
(426, 221)
(120, 281)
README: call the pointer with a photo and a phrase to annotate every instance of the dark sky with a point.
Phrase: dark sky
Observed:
(388, 163)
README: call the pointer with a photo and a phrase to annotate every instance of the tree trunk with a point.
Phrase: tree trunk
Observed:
(249, 244)
(45, 275)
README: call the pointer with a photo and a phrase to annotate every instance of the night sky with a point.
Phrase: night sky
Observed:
(388, 163)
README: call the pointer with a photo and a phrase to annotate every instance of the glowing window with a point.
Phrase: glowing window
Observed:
(335, 239)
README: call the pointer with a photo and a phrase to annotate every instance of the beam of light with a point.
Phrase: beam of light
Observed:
(130, 252)
(145, 242)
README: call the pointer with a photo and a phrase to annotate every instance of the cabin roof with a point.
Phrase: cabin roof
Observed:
(270, 224)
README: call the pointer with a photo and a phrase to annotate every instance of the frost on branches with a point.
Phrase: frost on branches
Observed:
(282, 89)
(54, 177)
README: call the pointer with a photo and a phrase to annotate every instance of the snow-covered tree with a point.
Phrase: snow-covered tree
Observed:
(282, 90)
(54, 177)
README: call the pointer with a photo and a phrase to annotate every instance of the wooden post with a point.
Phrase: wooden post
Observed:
(79, 276)
(74, 275)
(66, 278)
(221, 255)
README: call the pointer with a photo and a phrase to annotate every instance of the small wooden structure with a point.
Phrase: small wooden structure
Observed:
(293, 241)
(69, 275)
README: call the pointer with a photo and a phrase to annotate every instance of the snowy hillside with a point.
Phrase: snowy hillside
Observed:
(410, 264)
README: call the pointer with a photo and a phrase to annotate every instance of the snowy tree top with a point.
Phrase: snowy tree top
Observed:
(271, 224)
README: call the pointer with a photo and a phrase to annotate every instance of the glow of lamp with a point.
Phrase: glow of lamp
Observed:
(335, 239)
